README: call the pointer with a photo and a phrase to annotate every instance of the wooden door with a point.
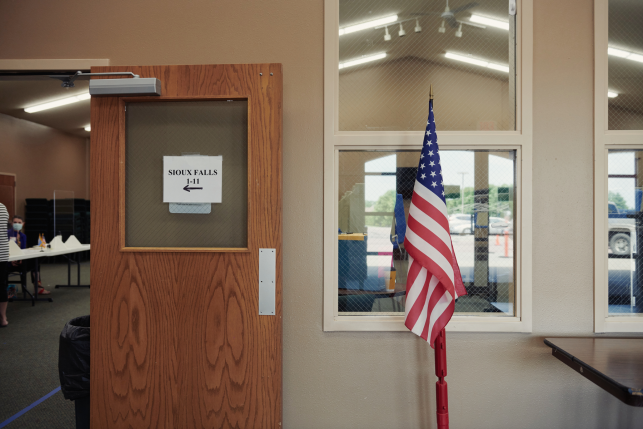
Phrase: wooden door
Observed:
(177, 339)
(8, 192)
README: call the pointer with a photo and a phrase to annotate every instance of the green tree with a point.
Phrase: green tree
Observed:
(496, 208)
(385, 203)
(617, 199)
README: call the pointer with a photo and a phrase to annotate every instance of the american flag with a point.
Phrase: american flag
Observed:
(434, 280)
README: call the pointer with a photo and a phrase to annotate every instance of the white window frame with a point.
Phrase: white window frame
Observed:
(604, 140)
(519, 140)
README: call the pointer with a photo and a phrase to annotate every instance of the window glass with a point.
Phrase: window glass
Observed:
(623, 255)
(625, 65)
(374, 186)
(391, 51)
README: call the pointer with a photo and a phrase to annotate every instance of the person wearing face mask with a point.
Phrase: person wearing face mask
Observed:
(15, 234)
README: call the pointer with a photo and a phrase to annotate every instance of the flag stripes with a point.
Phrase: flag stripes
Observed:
(433, 280)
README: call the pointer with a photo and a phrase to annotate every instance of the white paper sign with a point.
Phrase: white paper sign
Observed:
(192, 179)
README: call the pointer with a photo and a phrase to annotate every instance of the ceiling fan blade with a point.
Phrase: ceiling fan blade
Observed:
(453, 23)
(465, 7)
(425, 13)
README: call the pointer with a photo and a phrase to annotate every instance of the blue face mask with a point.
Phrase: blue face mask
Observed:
(17, 226)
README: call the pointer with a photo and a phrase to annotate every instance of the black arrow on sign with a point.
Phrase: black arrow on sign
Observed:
(187, 188)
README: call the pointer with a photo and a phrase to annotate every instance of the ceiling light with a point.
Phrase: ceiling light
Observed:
(490, 22)
(477, 62)
(58, 103)
(387, 36)
(402, 33)
(417, 26)
(368, 24)
(458, 33)
(636, 57)
(441, 29)
(362, 60)
(625, 54)
(611, 94)
(617, 53)
(88, 128)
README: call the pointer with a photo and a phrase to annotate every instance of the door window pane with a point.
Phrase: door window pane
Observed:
(177, 128)
(390, 51)
(372, 263)
(625, 65)
(623, 233)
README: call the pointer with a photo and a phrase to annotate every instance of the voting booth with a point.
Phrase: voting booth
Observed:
(187, 235)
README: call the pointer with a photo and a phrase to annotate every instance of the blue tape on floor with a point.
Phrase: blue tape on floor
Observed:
(19, 413)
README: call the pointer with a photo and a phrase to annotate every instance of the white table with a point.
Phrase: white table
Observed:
(36, 253)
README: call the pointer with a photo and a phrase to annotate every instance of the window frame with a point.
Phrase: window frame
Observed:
(519, 140)
(604, 140)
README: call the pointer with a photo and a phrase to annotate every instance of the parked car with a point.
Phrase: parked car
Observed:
(621, 231)
(498, 225)
(461, 224)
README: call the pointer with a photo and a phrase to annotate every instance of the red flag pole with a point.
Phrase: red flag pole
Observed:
(441, 393)
(440, 346)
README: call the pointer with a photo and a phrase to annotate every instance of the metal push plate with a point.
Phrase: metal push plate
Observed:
(267, 279)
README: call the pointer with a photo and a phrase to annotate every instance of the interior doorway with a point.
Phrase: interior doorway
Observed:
(8, 192)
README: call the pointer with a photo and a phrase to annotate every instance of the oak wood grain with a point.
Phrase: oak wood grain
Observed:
(177, 341)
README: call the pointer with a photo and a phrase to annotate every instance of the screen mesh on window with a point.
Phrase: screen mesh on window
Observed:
(624, 228)
(625, 65)
(374, 195)
(390, 52)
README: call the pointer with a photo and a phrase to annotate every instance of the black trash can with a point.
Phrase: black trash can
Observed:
(73, 367)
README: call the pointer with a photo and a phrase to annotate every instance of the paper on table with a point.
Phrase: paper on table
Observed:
(14, 250)
(57, 243)
(72, 243)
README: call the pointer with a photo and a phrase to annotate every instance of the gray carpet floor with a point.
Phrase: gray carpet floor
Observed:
(29, 352)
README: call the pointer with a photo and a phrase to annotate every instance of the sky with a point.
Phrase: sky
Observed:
(501, 171)
(622, 162)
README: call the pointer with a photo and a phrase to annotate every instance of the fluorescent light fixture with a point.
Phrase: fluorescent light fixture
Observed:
(58, 103)
(611, 94)
(490, 22)
(617, 53)
(477, 62)
(625, 54)
(362, 60)
(368, 24)
(636, 57)
(88, 128)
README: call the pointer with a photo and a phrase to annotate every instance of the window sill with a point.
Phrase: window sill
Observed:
(457, 324)
(627, 324)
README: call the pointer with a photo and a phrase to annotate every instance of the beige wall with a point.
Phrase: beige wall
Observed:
(376, 379)
(388, 98)
(43, 159)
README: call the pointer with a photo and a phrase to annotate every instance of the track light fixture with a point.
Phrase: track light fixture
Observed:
(387, 35)
(402, 33)
(417, 26)
(458, 33)
(442, 29)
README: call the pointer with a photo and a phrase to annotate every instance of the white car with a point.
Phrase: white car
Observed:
(460, 224)
(498, 225)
